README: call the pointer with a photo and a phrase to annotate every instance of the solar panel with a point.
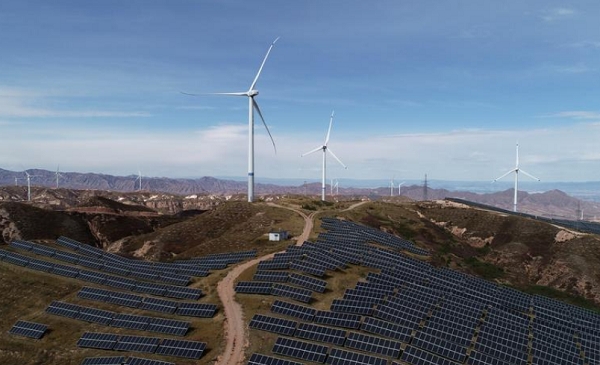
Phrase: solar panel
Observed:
(300, 349)
(92, 276)
(280, 326)
(40, 265)
(63, 309)
(28, 329)
(293, 310)
(273, 265)
(16, 259)
(115, 268)
(130, 321)
(93, 294)
(272, 276)
(181, 348)
(416, 356)
(168, 326)
(181, 280)
(96, 315)
(107, 360)
(91, 263)
(137, 344)
(21, 245)
(308, 282)
(120, 283)
(140, 361)
(312, 269)
(343, 357)
(259, 359)
(66, 257)
(337, 319)
(352, 306)
(183, 293)
(203, 310)
(104, 341)
(151, 288)
(124, 299)
(251, 287)
(440, 346)
(373, 344)
(315, 332)
(301, 295)
(43, 250)
(159, 305)
(479, 358)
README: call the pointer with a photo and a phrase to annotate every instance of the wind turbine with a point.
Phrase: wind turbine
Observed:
(58, 175)
(337, 187)
(17, 180)
(140, 179)
(252, 105)
(392, 187)
(400, 188)
(516, 170)
(29, 185)
(325, 149)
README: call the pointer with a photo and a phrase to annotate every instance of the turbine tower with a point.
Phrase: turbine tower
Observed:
(17, 180)
(516, 170)
(58, 175)
(337, 187)
(325, 149)
(400, 188)
(29, 185)
(140, 180)
(252, 105)
(392, 187)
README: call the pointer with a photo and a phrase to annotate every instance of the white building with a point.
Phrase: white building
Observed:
(278, 235)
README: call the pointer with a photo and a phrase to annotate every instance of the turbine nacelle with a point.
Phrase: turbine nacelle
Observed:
(252, 93)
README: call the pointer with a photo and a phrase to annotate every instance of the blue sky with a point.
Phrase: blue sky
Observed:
(443, 88)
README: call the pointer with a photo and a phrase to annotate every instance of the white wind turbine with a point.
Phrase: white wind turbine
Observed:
(29, 176)
(400, 188)
(516, 170)
(337, 187)
(58, 175)
(139, 178)
(325, 149)
(392, 187)
(17, 180)
(252, 105)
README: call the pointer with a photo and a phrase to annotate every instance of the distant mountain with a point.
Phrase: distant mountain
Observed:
(552, 203)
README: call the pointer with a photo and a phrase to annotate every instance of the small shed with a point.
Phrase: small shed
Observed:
(278, 235)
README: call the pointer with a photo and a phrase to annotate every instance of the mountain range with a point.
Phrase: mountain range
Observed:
(551, 203)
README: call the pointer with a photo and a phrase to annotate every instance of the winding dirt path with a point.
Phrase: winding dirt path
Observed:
(235, 329)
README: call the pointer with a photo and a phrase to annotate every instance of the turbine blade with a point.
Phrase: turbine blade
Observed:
(513, 170)
(190, 94)
(231, 94)
(329, 130)
(312, 151)
(528, 174)
(264, 123)
(262, 65)
(338, 160)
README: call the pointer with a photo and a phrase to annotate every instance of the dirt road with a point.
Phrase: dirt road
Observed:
(235, 328)
(236, 334)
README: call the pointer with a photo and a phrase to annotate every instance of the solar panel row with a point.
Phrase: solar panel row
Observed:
(167, 347)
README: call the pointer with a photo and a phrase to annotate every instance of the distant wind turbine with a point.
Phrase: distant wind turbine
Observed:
(516, 170)
(58, 175)
(252, 105)
(337, 187)
(400, 188)
(17, 180)
(29, 176)
(325, 149)
(140, 180)
(392, 186)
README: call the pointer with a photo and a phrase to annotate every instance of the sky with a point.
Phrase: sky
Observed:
(418, 87)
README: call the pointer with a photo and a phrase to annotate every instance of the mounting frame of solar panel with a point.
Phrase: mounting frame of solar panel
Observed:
(300, 349)
(277, 325)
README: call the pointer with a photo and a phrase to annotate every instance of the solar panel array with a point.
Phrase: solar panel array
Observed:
(121, 320)
(167, 346)
(191, 309)
(408, 312)
(28, 329)
(102, 278)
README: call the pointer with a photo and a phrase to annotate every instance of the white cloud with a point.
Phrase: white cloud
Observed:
(557, 14)
(576, 114)
(22, 103)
